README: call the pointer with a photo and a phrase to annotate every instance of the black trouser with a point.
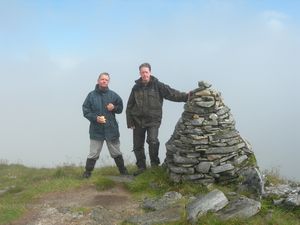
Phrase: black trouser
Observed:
(139, 134)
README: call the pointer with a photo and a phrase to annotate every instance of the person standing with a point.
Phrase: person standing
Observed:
(144, 114)
(100, 107)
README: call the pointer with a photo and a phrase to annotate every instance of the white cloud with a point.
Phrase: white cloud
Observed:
(274, 20)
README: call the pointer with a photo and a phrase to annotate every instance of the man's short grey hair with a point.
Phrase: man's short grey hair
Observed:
(104, 73)
(147, 65)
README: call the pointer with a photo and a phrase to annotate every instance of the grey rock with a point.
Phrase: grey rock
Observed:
(203, 84)
(252, 180)
(240, 159)
(229, 120)
(293, 200)
(165, 201)
(242, 207)
(218, 144)
(192, 177)
(205, 181)
(157, 217)
(197, 122)
(184, 160)
(203, 141)
(222, 110)
(278, 201)
(213, 116)
(248, 147)
(203, 93)
(233, 141)
(199, 110)
(211, 202)
(181, 170)
(199, 137)
(206, 104)
(223, 168)
(194, 130)
(193, 155)
(203, 167)
(281, 190)
(226, 158)
(210, 123)
(213, 157)
(288, 194)
(225, 150)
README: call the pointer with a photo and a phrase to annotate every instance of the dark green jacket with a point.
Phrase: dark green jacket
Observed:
(95, 105)
(144, 106)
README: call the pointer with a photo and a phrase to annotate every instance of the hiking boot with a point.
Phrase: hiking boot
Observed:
(86, 174)
(153, 153)
(120, 164)
(139, 171)
(89, 167)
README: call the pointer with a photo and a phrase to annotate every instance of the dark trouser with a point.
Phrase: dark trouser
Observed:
(139, 134)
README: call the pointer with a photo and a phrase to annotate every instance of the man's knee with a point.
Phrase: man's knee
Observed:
(153, 142)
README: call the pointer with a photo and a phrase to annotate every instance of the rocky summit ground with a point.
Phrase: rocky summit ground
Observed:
(83, 206)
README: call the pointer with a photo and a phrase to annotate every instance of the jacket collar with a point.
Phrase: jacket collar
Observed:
(152, 80)
(100, 90)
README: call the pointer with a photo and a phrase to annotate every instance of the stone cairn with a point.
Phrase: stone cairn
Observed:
(205, 146)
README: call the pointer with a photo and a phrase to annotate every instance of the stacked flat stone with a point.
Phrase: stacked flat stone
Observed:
(205, 146)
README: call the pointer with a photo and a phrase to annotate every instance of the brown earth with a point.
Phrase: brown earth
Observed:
(82, 206)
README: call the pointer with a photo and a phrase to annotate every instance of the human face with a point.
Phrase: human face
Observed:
(145, 74)
(103, 81)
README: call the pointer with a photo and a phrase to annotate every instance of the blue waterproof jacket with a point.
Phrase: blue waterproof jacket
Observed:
(95, 105)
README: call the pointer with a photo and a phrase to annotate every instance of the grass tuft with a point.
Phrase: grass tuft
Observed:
(156, 182)
(67, 171)
(103, 183)
(273, 177)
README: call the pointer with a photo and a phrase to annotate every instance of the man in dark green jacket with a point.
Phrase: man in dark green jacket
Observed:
(100, 107)
(144, 114)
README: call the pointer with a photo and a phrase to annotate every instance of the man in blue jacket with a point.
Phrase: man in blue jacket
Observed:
(100, 107)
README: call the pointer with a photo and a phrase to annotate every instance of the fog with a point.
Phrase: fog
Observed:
(51, 56)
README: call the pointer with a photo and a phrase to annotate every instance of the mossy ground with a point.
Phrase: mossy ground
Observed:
(25, 185)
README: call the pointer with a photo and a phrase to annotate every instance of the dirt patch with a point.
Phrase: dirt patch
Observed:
(82, 206)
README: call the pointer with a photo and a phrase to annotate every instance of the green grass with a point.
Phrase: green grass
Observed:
(103, 183)
(273, 177)
(28, 184)
(155, 182)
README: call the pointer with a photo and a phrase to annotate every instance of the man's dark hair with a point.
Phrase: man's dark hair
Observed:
(145, 65)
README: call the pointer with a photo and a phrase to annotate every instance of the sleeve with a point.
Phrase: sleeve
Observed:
(171, 94)
(87, 110)
(130, 105)
(118, 105)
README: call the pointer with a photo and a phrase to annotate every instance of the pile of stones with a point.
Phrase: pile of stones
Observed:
(205, 146)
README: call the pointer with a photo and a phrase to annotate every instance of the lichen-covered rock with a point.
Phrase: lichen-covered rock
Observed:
(211, 202)
(242, 207)
(165, 201)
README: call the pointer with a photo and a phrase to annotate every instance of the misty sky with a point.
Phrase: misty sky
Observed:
(51, 53)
